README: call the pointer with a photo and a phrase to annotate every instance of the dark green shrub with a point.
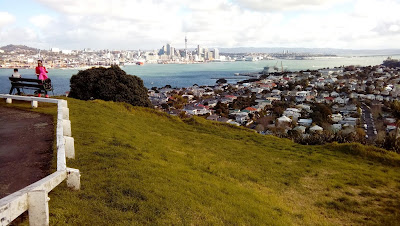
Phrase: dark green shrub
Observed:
(109, 84)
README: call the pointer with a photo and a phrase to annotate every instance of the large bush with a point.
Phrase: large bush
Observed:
(110, 84)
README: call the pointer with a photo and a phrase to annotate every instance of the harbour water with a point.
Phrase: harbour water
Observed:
(184, 75)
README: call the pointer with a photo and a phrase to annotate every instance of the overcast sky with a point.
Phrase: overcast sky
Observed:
(149, 24)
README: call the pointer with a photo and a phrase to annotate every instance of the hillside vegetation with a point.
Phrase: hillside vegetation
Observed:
(140, 166)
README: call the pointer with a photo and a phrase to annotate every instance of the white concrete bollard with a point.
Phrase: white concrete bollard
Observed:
(73, 179)
(62, 104)
(38, 208)
(9, 101)
(34, 104)
(64, 113)
(69, 147)
(66, 126)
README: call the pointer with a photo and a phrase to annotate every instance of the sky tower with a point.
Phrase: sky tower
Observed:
(185, 43)
(186, 52)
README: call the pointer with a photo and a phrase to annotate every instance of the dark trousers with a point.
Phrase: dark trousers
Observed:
(18, 90)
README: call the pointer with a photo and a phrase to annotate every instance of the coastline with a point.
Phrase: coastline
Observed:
(185, 75)
(32, 66)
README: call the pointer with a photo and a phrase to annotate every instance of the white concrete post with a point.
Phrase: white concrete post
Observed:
(67, 128)
(66, 125)
(9, 101)
(34, 104)
(64, 113)
(38, 208)
(69, 147)
(73, 179)
(63, 104)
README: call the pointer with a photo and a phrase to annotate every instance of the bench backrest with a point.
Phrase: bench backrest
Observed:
(32, 83)
(12, 79)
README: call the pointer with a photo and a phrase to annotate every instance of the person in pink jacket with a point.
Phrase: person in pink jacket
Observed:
(41, 71)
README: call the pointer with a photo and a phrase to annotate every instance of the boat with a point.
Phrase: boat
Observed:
(139, 63)
(275, 67)
(265, 71)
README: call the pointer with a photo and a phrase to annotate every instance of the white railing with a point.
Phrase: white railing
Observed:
(34, 198)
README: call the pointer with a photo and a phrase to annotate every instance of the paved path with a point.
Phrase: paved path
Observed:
(26, 148)
(369, 121)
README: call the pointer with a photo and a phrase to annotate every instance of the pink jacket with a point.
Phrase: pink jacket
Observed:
(42, 74)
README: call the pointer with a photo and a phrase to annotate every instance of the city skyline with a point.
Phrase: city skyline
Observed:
(345, 24)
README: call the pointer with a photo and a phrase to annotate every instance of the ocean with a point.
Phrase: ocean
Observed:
(185, 75)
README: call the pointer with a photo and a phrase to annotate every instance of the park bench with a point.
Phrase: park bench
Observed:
(28, 83)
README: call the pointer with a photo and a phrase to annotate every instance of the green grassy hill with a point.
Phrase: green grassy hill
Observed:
(140, 166)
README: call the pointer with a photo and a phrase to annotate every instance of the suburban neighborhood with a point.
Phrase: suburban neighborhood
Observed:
(344, 104)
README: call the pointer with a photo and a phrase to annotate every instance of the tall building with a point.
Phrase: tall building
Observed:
(205, 53)
(186, 51)
(162, 51)
(199, 51)
(216, 54)
(185, 43)
(168, 49)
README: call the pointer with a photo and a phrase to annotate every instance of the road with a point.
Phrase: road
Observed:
(368, 120)
(26, 148)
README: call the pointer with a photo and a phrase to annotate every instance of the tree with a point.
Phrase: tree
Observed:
(178, 101)
(321, 113)
(109, 84)
(278, 111)
(221, 109)
(396, 109)
(259, 128)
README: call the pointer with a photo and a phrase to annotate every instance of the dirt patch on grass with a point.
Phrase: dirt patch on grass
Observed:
(26, 147)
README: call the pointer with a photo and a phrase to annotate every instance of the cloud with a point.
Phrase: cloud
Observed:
(394, 28)
(24, 36)
(134, 24)
(6, 19)
(41, 21)
(286, 5)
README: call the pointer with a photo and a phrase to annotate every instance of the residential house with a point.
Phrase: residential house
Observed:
(340, 100)
(305, 122)
(300, 129)
(213, 117)
(223, 119)
(241, 117)
(316, 128)
(336, 117)
(284, 119)
(191, 110)
(336, 128)
(293, 113)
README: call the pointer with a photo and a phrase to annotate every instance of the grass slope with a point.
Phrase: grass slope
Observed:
(140, 166)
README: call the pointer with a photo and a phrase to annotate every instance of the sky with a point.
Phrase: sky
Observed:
(150, 24)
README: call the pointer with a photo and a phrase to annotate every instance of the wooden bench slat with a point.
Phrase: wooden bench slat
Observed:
(25, 80)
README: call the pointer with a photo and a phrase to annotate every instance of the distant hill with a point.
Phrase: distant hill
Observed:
(140, 166)
(19, 48)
